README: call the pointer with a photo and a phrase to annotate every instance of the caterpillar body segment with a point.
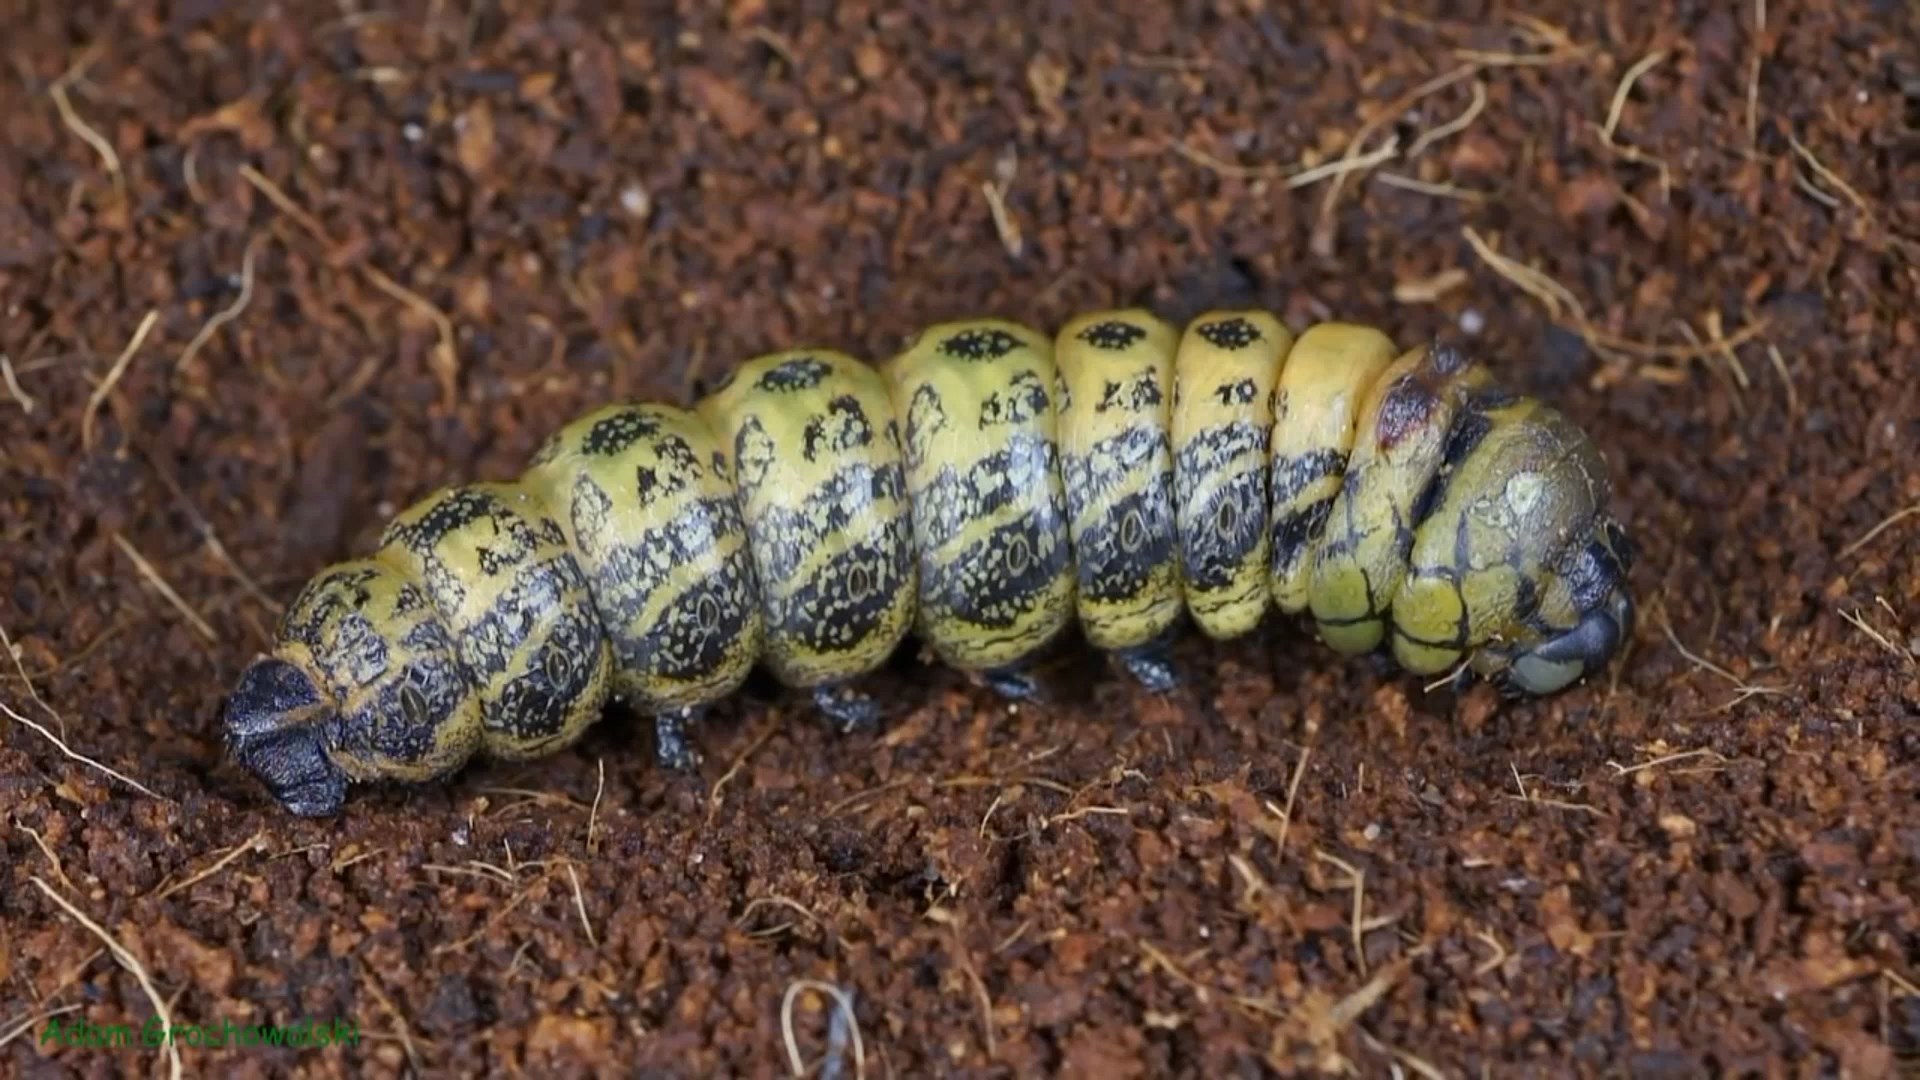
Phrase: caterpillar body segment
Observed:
(493, 564)
(647, 503)
(985, 487)
(1116, 462)
(1399, 446)
(814, 450)
(1321, 391)
(1224, 376)
(990, 515)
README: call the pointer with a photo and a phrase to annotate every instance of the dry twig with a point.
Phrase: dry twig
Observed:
(718, 794)
(224, 315)
(82, 758)
(1743, 689)
(593, 814)
(1439, 191)
(405, 1034)
(208, 535)
(506, 909)
(256, 842)
(1786, 378)
(1557, 47)
(1831, 177)
(980, 992)
(1357, 879)
(580, 905)
(86, 131)
(1558, 299)
(995, 190)
(160, 585)
(1321, 241)
(1880, 639)
(1158, 958)
(1664, 759)
(1753, 75)
(1224, 168)
(1427, 1070)
(1454, 126)
(52, 858)
(127, 960)
(19, 395)
(773, 900)
(1619, 103)
(34, 1020)
(1499, 956)
(113, 377)
(13, 653)
(1293, 789)
(842, 1002)
(1885, 523)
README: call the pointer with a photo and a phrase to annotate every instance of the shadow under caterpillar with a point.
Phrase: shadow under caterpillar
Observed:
(981, 490)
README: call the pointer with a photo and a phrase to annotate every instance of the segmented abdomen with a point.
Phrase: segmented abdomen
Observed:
(984, 488)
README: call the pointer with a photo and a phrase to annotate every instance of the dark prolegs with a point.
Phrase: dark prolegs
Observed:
(847, 709)
(672, 747)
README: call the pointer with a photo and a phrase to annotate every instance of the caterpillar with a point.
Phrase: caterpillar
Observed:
(983, 490)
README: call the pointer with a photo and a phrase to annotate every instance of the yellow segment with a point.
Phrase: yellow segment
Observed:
(1224, 375)
(814, 449)
(496, 567)
(648, 507)
(1526, 490)
(1116, 463)
(1402, 436)
(377, 650)
(990, 516)
(1327, 376)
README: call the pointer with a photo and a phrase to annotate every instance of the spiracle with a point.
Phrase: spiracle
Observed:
(983, 490)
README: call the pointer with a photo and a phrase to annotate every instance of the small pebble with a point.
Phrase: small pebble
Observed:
(635, 201)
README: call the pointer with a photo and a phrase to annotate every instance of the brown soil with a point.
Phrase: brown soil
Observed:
(1708, 862)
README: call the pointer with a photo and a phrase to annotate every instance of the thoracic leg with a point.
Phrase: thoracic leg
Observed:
(672, 748)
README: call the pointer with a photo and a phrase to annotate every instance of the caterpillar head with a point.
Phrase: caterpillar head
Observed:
(1556, 661)
(1553, 664)
(275, 723)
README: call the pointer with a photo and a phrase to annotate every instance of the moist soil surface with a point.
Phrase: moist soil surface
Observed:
(268, 275)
